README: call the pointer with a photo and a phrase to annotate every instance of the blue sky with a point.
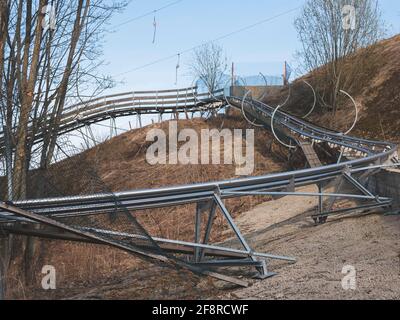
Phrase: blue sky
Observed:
(188, 23)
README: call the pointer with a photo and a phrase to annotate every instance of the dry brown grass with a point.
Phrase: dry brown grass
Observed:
(376, 91)
(121, 165)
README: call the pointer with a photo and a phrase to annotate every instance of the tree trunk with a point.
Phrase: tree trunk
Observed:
(28, 83)
(79, 22)
(4, 263)
(4, 239)
(28, 86)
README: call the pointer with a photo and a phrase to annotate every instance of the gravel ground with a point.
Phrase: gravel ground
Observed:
(370, 243)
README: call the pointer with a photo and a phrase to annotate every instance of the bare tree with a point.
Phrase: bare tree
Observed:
(41, 68)
(330, 32)
(4, 239)
(209, 65)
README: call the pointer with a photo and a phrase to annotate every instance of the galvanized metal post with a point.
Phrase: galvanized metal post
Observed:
(197, 232)
(89, 130)
(186, 97)
(320, 199)
(263, 272)
(207, 232)
(231, 222)
(177, 102)
(115, 126)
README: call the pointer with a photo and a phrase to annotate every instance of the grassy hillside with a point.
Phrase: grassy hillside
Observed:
(376, 91)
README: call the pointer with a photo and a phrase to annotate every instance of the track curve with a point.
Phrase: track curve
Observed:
(366, 153)
(366, 156)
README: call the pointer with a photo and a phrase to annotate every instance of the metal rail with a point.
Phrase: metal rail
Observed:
(366, 154)
(370, 152)
(185, 100)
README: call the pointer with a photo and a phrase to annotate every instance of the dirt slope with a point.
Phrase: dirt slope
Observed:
(370, 243)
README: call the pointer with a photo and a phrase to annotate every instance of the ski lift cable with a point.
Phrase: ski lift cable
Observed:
(209, 42)
(177, 67)
(147, 14)
(155, 29)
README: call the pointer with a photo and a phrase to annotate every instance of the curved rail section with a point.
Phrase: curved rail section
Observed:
(364, 157)
(177, 101)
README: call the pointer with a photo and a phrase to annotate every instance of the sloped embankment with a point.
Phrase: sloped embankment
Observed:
(120, 164)
(376, 91)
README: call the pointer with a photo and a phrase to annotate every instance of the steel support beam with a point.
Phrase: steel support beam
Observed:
(355, 209)
(137, 251)
(207, 232)
(197, 233)
(360, 187)
(263, 272)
